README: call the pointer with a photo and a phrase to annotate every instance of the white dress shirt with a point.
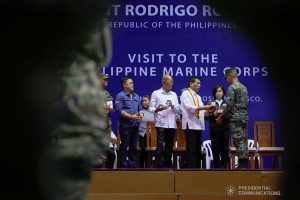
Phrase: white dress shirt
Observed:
(165, 118)
(189, 108)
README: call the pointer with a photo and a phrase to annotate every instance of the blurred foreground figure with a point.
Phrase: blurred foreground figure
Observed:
(56, 131)
(78, 139)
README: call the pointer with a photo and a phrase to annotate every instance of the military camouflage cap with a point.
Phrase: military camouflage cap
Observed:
(104, 76)
(229, 71)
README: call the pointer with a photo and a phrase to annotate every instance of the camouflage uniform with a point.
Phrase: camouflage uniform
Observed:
(108, 97)
(59, 121)
(79, 134)
(80, 137)
(107, 152)
(237, 104)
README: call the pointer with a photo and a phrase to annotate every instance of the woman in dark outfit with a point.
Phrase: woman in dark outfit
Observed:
(219, 134)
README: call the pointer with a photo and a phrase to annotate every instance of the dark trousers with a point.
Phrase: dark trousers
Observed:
(129, 138)
(164, 147)
(193, 148)
(110, 158)
(220, 147)
(143, 157)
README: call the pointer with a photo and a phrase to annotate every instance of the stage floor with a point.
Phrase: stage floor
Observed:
(185, 184)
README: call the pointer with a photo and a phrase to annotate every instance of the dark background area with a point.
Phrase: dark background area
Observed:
(37, 38)
(273, 25)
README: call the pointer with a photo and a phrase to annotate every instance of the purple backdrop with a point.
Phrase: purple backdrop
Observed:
(187, 38)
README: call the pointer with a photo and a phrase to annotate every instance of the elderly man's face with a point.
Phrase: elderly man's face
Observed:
(168, 83)
(196, 85)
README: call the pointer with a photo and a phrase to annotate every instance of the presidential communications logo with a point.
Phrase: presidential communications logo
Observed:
(230, 190)
(251, 190)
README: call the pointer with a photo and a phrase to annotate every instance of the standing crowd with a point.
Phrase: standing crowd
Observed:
(226, 117)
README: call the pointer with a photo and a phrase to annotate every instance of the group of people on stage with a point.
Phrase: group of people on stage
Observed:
(162, 107)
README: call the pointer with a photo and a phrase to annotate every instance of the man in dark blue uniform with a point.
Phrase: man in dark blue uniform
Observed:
(128, 106)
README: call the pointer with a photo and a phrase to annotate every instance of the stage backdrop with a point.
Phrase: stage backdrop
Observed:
(185, 38)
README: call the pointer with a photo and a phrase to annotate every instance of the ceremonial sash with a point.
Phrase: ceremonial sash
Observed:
(196, 103)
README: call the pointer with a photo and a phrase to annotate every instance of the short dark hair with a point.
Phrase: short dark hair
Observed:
(147, 96)
(192, 80)
(124, 79)
(215, 91)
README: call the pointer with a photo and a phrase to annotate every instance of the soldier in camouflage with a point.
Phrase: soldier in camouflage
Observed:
(80, 138)
(108, 158)
(237, 111)
(79, 132)
(53, 49)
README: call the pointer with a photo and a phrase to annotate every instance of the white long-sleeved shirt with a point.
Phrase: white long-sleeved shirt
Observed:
(189, 108)
(165, 118)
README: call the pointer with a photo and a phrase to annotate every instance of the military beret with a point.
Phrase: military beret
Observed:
(229, 71)
(104, 76)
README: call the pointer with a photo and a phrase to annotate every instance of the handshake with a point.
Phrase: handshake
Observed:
(209, 108)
